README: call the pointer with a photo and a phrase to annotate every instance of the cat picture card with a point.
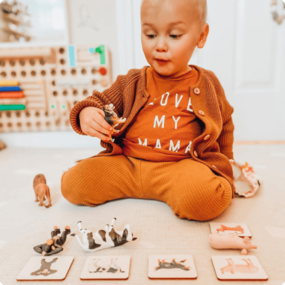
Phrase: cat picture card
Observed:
(43, 268)
(241, 229)
(239, 268)
(171, 267)
(106, 267)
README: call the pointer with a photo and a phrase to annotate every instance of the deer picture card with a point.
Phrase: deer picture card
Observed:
(46, 268)
(241, 229)
(171, 267)
(102, 239)
(239, 268)
(106, 267)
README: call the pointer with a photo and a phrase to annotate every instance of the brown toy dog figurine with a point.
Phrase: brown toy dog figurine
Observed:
(41, 190)
(2, 145)
(111, 117)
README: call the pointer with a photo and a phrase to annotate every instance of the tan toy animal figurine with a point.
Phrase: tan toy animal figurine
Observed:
(41, 190)
(2, 145)
(231, 241)
(111, 117)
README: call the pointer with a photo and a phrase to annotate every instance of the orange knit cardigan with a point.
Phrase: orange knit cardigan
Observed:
(214, 147)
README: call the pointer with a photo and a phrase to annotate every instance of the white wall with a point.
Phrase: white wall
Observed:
(95, 22)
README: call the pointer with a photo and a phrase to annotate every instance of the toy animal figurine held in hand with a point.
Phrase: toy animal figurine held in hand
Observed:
(231, 241)
(111, 117)
(53, 245)
(102, 239)
(41, 190)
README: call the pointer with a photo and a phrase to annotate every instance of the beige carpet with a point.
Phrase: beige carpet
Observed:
(23, 224)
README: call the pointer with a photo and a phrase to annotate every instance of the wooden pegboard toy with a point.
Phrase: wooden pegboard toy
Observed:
(40, 85)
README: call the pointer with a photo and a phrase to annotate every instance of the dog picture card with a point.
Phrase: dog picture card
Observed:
(106, 267)
(241, 229)
(246, 267)
(171, 267)
(43, 268)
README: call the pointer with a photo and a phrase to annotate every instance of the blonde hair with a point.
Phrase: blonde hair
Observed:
(204, 9)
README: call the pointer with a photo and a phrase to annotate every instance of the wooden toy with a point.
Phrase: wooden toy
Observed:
(41, 190)
(47, 268)
(53, 245)
(238, 268)
(111, 117)
(231, 241)
(52, 80)
(171, 267)
(102, 239)
(241, 229)
(2, 145)
(14, 21)
(106, 267)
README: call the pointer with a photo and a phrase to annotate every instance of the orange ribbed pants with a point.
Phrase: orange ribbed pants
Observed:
(190, 188)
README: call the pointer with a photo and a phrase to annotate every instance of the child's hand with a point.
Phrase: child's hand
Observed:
(93, 124)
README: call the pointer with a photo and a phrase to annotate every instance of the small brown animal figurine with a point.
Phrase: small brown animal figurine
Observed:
(2, 145)
(53, 245)
(41, 190)
(111, 117)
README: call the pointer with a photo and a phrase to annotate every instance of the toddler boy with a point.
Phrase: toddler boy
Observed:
(177, 140)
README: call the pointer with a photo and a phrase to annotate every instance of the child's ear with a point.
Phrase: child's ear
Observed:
(203, 36)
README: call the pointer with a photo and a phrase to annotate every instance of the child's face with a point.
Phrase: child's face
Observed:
(161, 39)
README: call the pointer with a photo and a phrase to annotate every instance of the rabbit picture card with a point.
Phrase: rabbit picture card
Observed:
(106, 267)
(241, 229)
(171, 267)
(43, 268)
(238, 268)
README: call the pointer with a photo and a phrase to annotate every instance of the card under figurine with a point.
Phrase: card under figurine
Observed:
(227, 228)
(239, 268)
(49, 268)
(171, 267)
(106, 267)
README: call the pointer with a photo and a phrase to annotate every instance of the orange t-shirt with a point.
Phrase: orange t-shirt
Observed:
(163, 130)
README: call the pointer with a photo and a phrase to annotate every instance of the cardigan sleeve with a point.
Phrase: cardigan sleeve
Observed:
(226, 138)
(114, 95)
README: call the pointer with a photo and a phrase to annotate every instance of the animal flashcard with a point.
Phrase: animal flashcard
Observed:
(171, 267)
(46, 268)
(106, 267)
(228, 228)
(102, 239)
(238, 268)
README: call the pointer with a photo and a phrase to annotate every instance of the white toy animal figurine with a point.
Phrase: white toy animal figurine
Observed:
(231, 241)
(102, 239)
